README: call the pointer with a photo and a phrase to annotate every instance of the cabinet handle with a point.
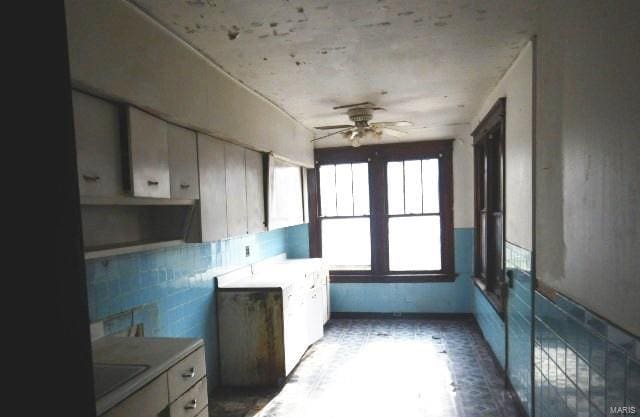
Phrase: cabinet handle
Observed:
(184, 186)
(191, 405)
(190, 374)
(92, 178)
(150, 182)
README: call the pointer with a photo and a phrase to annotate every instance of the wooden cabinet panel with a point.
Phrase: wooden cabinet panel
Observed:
(236, 188)
(213, 196)
(255, 191)
(183, 162)
(186, 373)
(148, 155)
(97, 131)
(147, 402)
(192, 402)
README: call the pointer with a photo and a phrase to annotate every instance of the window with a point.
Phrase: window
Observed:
(384, 212)
(344, 198)
(488, 139)
(413, 217)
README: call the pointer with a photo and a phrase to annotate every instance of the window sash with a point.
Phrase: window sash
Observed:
(378, 156)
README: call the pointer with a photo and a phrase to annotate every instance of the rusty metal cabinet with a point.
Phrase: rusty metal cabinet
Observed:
(266, 322)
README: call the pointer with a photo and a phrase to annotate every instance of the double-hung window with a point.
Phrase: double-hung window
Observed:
(384, 212)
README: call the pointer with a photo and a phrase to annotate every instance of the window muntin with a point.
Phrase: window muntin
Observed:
(344, 204)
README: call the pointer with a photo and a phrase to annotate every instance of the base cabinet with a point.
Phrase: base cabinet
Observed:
(180, 391)
(266, 322)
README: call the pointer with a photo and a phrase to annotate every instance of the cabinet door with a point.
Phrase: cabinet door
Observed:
(183, 162)
(255, 191)
(213, 195)
(236, 189)
(148, 155)
(97, 130)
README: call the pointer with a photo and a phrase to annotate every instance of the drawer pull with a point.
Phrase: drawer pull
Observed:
(151, 182)
(191, 405)
(190, 374)
(184, 186)
(92, 178)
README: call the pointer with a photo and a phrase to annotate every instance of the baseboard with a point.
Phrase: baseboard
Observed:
(521, 409)
(368, 315)
(522, 412)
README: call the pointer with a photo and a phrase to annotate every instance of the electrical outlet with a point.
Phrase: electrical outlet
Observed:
(247, 251)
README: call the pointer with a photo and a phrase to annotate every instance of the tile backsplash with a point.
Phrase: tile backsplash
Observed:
(584, 366)
(171, 291)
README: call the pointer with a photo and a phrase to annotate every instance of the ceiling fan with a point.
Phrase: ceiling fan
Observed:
(360, 114)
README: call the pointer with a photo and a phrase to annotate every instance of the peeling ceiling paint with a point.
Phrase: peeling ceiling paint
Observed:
(428, 62)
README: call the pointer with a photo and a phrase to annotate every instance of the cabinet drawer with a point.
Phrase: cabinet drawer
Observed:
(191, 402)
(186, 373)
(147, 402)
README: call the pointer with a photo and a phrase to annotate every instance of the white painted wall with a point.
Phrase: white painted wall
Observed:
(588, 155)
(463, 181)
(517, 86)
(117, 51)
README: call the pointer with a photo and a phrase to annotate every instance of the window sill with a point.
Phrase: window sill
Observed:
(342, 277)
(493, 299)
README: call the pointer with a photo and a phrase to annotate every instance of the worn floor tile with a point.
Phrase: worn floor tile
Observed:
(382, 368)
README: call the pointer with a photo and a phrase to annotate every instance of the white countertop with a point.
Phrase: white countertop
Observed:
(158, 353)
(272, 274)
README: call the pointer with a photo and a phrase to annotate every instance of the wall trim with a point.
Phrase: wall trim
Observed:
(367, 315)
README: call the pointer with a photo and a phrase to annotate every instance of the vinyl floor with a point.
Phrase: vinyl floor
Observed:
(384, 368)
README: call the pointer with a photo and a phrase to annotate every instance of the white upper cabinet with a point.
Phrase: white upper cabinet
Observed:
(236, 187)
(148, 155)
(183, 163)
(213, 195)
(255, 191)
(97, 132)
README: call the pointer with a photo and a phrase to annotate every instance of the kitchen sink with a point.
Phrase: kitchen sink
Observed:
(107, 377)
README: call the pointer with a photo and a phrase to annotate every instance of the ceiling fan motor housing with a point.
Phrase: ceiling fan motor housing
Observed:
(360, 115)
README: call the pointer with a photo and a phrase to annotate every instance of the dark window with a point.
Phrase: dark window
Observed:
(384, 212)
(488, 139)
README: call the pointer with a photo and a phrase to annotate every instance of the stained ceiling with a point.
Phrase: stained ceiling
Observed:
(428, 62)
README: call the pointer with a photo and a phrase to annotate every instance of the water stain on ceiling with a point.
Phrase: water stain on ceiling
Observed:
(428, 62)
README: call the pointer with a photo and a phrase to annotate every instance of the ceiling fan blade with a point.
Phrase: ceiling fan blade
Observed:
(401, 123)
(333, 127)
(331, 134)
(394, 132)
(364, 103)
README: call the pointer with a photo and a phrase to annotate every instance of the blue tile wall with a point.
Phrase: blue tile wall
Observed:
(519, 323)
(297, 239)
(171, 291)
(491, 325)
(584, 365)
(440, 297)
